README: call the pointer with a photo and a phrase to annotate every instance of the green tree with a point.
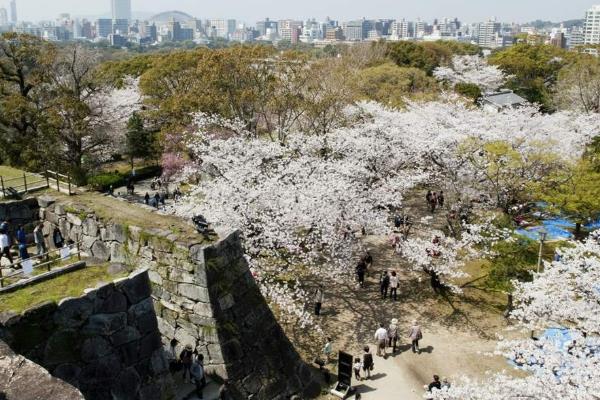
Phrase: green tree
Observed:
(25, 76)
(390, 85)
(139, 142)
(533, 69)
(427, 56)
(469, 90)
(578, 85)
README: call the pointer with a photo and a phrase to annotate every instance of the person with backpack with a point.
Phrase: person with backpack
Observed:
(367, 362)
(384, 284)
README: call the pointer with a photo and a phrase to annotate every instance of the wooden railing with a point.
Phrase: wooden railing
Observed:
(45, 261)
(23, 184)
(61, 182)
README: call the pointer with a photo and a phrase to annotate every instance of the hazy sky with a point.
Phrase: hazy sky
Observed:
(253, 10)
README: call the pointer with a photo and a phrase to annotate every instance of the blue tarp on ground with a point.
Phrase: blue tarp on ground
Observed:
(556, 228)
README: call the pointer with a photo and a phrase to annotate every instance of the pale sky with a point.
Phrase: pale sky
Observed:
(252, 10)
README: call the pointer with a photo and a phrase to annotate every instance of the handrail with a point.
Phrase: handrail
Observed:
(47, 264)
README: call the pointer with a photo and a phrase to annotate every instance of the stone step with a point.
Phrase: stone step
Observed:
(187, 391)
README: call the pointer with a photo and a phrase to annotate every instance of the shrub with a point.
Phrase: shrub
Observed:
(469, 90)
(103, 182)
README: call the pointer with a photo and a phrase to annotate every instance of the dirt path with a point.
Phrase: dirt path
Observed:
(457, 330)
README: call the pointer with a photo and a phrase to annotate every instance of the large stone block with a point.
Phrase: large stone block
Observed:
(74, 219)
(118, 253)
(90, 227)
(158, 362)
(181, 276)
(62, 347)
(127, 385)
(73, 312)
(165, 328)
(94, 348)
(184, 337)
(155, 277)
(127, 335)
(115, 232)
(193, 292)
(137, 287)
(100, 251)
(105, 324)
(45, 201)
(203, 309)
(149, 344)
(113, 302)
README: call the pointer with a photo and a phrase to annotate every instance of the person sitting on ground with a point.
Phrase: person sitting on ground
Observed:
(367, 362)
(436, 384)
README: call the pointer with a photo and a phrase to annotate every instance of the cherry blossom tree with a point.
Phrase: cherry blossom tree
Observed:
(472, 69)
(566, 294)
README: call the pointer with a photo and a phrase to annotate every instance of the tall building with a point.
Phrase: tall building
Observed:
(121, 9)
(356, 30)
(3, 17)
(104, 27)
(591, 27)
(222, 27)
(289, 30)
(13, 11)
(400, 29)
(487, 33)
(120, 26)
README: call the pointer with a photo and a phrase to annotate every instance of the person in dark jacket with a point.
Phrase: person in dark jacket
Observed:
(147, 198)
(436, 384)
(186, 359)
(384, 284)
(367, 363)
(361, 268)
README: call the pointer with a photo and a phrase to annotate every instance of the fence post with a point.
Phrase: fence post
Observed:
(69, 183)
(25, 181)
(47, 179)
(57, 184)
(78, 252)
(2, 182)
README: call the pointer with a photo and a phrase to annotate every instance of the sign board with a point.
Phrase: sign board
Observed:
(344, 383)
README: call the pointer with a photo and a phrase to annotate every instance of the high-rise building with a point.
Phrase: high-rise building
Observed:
(104, 27)
(120, 26)
(222, 27)
(289, 30)
(356, 30)
(262, 26)
(486, 33)
(3, 17)
(400, 29)
(13, 11)
(121, 9)
(591, 27)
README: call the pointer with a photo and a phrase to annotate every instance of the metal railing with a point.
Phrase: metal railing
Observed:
(45, 261)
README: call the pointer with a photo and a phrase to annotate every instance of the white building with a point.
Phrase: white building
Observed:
(399, 30)
(13, 11)
(121, 9)
(487, 33)
(3, 17)
(591, 30)
(222, 28)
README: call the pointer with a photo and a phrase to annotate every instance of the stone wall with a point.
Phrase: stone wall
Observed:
(22, 379)
(20, 212)
(204, 295)
(106, 342)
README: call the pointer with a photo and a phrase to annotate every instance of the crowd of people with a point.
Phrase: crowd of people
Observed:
(190, 363)
(21, 241)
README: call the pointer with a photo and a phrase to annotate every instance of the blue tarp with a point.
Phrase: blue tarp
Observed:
(556, 228)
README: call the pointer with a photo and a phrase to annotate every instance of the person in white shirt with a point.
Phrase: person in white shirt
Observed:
(5, 247)
(381, 336)
(394, 286)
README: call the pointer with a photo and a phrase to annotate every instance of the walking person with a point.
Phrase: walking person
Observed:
(384, 284)
(440, 199)
(38, 238)
(185, 358)
(198, 376)
(5, 246)
(428, 197)
(22, 243)
(147, 198)
(381, 336)
(394, 286)
(368, 259)
(156, 200)
(360, 273)
(57, 238)
(434, 201)
(367, 362)
(357, 367)
(328, 350)
(393, 335)
(415, 335)
(319, 297)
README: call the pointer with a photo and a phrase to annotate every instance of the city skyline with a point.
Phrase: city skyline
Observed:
(468, 10)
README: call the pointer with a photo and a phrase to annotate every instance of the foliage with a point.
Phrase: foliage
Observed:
(429, 55)
(390, 85)
(472, 70)
(102, 182)
(578, 86)
(140, 142)
(116, 72)
(533, 69)
(469, 90)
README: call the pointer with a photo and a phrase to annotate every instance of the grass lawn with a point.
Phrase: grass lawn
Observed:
(10, 172)
(68, 285)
